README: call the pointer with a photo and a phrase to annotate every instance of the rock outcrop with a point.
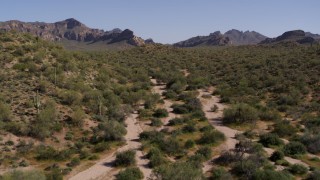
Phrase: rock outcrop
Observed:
(232, 37)
(295, 36)
(72, 29)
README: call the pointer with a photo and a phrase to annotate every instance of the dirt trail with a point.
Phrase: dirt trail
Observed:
(214, 119)
(159, 89)
(104, 168)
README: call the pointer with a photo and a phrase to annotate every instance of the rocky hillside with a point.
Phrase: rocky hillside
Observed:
(72, 29)
(244, 38)
(232, 37)
(315, 36)
(295, 36)
(214, 39)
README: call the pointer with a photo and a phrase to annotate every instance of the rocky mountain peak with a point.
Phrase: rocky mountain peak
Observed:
(71, 23)
(295, 36)
(72, 29)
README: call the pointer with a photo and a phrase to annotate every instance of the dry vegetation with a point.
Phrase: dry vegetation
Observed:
(61, 110)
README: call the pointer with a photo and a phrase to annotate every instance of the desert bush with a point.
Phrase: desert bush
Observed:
(108, 131)
(189, 144)
(156, 157)
(100, 147)
(125, 158)
(269, 115)
(312, 142)
(70, 97)
(156, 122)
(78, 116)
(220, 174)
(276, 156)
(205, 151)
(294, 148)
(240, 113)
(74, 162)
(176, 121)
(211, 137)
(152, 136)
(177, 171)
(189, 128)
(25, 175)
(5, 112)
(270, 139)
(160, 113)
(248, 166)
(298, 169)
(170, 146)
(131, 173)
(269, 174)
(284, 128)
(180, 109)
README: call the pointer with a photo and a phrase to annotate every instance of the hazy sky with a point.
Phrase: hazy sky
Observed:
(168, 21)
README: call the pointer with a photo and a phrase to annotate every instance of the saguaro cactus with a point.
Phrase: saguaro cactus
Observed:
(100, 105)
(37, 102)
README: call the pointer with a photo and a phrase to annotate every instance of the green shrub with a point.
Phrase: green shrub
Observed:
(78, 116)
(156, 157)
(271, 175)
(70, 97)
(108, 131)
(189, 128)
(152, 136)
(205, 151)
(270, 139)
(189, 144)
(160, 113)
(276, 156)
(269, 115)
(312, 142)
(180, 109)
(100, 147)
(25, 175)
(5, 112)
(284, 128)
(211, 137)
(176, 121)
(294, 148)
(240, 113)
(220, 174)
(156, 122)
(298, 169)
(74, 162)
(131, 173)
(178, 171)
(125, 158)
(170, 146)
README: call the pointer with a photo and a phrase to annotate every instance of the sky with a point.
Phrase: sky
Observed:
(169, 21)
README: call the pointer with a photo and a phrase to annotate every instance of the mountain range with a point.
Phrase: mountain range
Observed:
(232, 37)
(73, 34)
(73, 30)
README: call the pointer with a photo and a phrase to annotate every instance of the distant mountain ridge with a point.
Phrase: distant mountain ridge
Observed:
(295, 36)
(232, 37)
(72, 29)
